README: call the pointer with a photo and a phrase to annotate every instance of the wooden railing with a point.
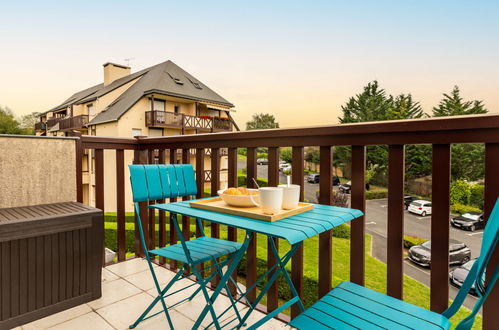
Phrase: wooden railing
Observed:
(74, 122)
(179, 120)
(440, 133)
(40, 126)
(52, 121)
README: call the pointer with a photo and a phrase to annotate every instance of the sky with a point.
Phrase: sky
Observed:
(298, 60)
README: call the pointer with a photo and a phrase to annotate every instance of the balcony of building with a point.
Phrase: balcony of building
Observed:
(73, 123)
(206, 123)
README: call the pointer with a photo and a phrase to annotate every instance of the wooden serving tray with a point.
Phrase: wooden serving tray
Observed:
(216, 204)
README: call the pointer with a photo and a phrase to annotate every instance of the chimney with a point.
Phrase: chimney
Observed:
(114, 71)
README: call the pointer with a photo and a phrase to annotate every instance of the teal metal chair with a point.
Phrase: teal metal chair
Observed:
(154, 182)
(353, 306)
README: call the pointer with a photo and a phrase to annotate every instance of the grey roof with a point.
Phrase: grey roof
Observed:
(157, 79)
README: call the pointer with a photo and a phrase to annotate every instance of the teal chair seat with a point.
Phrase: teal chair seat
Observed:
(200, 249)
(351, 306)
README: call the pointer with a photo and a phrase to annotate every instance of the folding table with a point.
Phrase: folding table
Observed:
(295, 229)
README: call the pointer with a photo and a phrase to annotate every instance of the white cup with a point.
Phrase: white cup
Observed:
(291, 196)
(270, 199)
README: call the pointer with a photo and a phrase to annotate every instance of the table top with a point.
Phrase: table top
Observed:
(294, 229)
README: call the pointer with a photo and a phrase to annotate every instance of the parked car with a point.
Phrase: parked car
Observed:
(408, 200)
(283, 164)
(459, 253)
(262, 161)
(345, 188)
(459, 274)
(423, 208)
(286, 167)
(313, 178)
(469, 221)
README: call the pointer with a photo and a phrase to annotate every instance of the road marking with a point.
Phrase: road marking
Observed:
(473, 234)
(384, 205)
(370, 223)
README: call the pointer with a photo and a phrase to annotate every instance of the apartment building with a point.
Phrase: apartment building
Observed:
(161, 100)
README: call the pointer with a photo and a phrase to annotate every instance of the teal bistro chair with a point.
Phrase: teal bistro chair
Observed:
(155, 182)
(350, 306)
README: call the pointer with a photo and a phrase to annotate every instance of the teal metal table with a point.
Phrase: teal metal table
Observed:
(294, 229)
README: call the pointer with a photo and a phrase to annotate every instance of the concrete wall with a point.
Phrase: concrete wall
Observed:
(36, 170)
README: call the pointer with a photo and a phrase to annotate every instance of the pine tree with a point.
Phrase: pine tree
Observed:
(453, 105)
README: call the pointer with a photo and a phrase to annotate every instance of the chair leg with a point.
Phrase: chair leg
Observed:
(209, 304)
(159, 297)
(227, 290)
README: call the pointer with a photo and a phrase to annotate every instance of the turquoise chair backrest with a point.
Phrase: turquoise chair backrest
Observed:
(476, 274)
(153, 182)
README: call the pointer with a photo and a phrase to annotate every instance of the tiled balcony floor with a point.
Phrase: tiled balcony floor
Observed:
(127, 289)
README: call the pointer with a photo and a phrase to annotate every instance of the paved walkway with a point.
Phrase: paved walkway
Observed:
(127, 289)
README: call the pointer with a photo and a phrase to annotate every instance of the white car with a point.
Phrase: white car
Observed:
(283, 165)
(420, 207)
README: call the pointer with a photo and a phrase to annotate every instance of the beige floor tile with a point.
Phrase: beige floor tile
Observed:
(123, 313)
(60, 317)
(193, 309)
(86, 321)
(144, 281)
(129, 267)
(114, 291)
(108, 276)
(159, 322)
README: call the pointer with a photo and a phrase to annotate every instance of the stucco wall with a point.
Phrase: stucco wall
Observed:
(36, 170)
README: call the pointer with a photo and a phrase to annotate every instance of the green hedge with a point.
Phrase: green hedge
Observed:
(410, 241)
(241, 181)
(376, 194)
(461, 209)
(342, 231)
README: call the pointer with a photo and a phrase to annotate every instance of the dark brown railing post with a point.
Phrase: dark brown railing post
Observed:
(297, 260)
(232, 182)
(325, 238)
(99, 188)
(251, 252)
(215, 186)
(161, 214)
(395, 230)
(79, 170)
(358, 201)
(120, 203)
(273, 176)
(491, 306)
(141, 157)
(173, 232)
(440, 191)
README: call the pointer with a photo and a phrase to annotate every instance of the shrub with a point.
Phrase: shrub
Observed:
(241, 181)
(410, 241)
(476, 196)
(460, 192)
(342, 231)
(461, 209)
(376, 194)
(263, 155)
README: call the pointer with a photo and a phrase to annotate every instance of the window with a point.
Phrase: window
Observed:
(155, 132)
(136, 132)
(90, 109)
(175, 79)
(195, 84)
(176, 108)
(159, 105)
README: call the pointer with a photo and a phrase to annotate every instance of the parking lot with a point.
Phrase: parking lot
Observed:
(414, 225)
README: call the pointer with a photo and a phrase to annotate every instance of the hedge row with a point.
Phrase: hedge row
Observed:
(376, 194)
(410, 241)
(461, 209)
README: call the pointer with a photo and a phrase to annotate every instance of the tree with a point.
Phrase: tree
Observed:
(286, 155)
(312, 155)
(262, 121)
(28, 122)
(453, 105)
(8, 124)
(374, 104)
(467, 160)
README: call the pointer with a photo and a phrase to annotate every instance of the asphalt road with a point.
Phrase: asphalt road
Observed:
(414, 225)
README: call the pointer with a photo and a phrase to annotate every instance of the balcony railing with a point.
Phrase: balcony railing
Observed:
(440, 133)
(177, 120)
(75, 122)
(52, 121)
(40, 126)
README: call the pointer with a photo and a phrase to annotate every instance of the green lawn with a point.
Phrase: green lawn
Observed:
(375, 277)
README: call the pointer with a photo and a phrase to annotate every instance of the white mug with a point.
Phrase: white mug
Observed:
(291, 196)
(270, 199)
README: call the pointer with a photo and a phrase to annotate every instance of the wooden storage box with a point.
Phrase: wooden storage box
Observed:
(50, 260)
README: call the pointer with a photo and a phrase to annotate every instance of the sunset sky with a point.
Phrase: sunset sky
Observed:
(298, 60)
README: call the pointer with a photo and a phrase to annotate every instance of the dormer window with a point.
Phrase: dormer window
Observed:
(175, 79)
(195, 84)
